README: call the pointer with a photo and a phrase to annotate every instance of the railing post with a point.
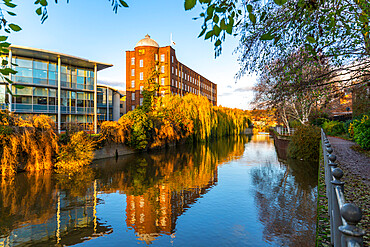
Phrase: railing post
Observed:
(351, 234)
(343, 217)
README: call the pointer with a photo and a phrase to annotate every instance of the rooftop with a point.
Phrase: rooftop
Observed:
(147, 41)
(41, 54)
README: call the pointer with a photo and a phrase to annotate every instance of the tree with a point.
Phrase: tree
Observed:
(271, 30)
(293, 86)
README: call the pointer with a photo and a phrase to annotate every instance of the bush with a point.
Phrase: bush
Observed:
(319, 121)
(361, 132)
(305, 143)
(334, 128)
(76, 154)
(26, 144)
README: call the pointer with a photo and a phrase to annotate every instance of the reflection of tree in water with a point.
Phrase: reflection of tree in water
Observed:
(286, 202)
(36, 209)
(160, 186)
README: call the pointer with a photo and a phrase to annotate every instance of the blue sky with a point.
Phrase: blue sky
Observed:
(90, 29)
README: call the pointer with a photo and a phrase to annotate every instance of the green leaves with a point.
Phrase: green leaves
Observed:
(123, 3)
(280, 2)
(311, 39)
(9, 4)
(15, 27)
(189, 4)
(249, 8)
(209, 34)
(267, 36)
(7, 71)
(252, 17)
(38, 11)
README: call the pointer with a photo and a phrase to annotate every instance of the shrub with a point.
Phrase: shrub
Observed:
(319, 121)
(26, 144)
(333, 128)
(76, 154)
(305, 143)
(361, 132)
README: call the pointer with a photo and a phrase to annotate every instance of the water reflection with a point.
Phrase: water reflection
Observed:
(45, 209)
(286, 197)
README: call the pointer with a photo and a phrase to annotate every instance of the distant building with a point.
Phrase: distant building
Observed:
(109, 103)
(61, 86)
(174, 77)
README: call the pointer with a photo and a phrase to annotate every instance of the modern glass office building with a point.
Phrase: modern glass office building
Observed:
(108, 103)
(59, 85)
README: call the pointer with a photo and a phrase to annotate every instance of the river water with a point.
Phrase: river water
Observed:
(232, 192)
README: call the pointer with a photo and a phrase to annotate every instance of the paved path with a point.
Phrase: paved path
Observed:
(357, 163)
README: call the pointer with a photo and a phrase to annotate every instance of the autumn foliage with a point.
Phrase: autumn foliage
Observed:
(26, 144)
(174, 119)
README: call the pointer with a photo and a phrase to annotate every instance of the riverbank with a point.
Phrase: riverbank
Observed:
(356, 169)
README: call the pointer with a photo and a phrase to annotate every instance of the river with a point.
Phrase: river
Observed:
(232, 192)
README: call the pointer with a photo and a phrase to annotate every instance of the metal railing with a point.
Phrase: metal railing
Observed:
(343, 216)
(284, 131)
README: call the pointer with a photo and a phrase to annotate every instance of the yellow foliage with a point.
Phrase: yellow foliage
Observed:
(76, 154)
(26, 144)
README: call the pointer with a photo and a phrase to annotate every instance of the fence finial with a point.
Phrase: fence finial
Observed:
(351, 233)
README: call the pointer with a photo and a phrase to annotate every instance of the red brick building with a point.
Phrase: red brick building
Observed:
(173, 77)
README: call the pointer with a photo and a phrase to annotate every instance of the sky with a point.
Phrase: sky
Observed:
(90, 29)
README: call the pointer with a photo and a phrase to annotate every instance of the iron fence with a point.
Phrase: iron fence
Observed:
(284, 131)
(344, 217)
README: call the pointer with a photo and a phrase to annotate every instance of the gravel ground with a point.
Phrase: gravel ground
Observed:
(356, 168)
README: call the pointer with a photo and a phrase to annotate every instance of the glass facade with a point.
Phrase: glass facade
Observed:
(105, 103)
(40, 92)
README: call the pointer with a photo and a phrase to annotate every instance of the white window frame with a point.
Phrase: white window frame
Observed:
(132, 72)
(133, 84)
(162, 69)
(141, 89)
(141, 76)
(133, 96)
(162, 57)
(133, 61)
(162, 81)
(141, 63)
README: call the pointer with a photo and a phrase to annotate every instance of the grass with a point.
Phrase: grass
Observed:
(323, 221)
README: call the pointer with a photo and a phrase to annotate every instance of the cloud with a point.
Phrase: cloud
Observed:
(244, 89)
(115, 84)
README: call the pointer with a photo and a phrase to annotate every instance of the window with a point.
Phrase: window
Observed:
(162, 69)
(132, 107)
(176, 71)
(141, 89)
(156, 57)
(162, 93)
(132, 83)
(132, 61)
(133, 96)
(172, 70)
(162, 81)
(172, 58)
(172, 83)
(141, 76)
(141, 63)
(141, 101)
(132, 72)
(162, 57)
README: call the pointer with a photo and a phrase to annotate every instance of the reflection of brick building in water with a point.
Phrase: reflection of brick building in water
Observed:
(156, 211)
